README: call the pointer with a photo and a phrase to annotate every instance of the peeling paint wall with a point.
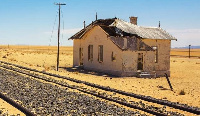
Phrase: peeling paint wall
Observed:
(131, 42)
(130, 62)
(164, 47)
(149, 61)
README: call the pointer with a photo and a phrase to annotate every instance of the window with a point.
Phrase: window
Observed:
(113, 57)
(100, 53)
(90, 53)
(156, 53)
(125, 43)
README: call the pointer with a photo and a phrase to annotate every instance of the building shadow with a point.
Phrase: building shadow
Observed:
(162, 88)
(84, 71)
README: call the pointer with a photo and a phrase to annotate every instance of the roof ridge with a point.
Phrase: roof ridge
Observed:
(126, 27)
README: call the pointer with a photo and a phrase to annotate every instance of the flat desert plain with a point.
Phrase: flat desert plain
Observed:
(185, 72)
(185, 52)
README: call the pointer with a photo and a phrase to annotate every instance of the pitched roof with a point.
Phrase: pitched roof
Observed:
(101, 22)
(118, 27)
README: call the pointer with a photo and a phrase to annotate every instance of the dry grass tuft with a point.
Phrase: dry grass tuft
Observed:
(12, 59)
(4, 56)
(46, 68)
(182, 92)
(76, 72)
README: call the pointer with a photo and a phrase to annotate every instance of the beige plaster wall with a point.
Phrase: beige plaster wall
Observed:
(76, 46)
(126, 61)
(164, 47)
(96, 37)
(130, 61)
(149, 61)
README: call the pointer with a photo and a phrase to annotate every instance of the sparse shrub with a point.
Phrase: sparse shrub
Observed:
(182, 92)
(46, 68)
(12, 59)
(75, 72)
(53, 67)
(4, 57)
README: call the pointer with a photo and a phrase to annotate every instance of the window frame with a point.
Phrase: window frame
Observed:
(155, 48)
(90, 52)
(100, 53)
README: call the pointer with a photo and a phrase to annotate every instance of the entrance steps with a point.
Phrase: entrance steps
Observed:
(143, 74)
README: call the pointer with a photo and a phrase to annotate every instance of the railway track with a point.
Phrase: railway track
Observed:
(140, 106)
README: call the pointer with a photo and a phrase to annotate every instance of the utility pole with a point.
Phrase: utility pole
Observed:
(58, 35)
(189, 50)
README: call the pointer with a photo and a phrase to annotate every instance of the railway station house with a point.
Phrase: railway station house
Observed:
(121, 48)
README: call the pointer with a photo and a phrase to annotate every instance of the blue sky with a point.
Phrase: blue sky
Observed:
(31, 22)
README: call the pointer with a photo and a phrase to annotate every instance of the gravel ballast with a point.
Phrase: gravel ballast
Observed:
(45, 98)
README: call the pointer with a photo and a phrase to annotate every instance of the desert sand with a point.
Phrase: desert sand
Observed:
(8, 109)
(185, 72)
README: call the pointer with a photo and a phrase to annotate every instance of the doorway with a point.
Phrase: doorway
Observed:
(140, 61)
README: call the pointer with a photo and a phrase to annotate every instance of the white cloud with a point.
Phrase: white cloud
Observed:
(66, 31)
(71, 31)
(65, 34)
(185, 30)
(185, 37)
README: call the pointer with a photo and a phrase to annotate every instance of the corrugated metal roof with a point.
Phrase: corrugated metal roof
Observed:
(143, 32)
(100, 22)
(118, 27)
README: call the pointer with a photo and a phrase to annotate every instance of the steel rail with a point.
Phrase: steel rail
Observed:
(88, 92)
(16, 105)
(142, 97)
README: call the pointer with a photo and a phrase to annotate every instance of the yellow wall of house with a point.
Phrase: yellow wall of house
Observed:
(96, 37)
(126, 61)
(164, 47)
(130, 62)
(76, 46)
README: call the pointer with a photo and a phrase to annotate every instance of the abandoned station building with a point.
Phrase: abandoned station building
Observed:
(120, 48)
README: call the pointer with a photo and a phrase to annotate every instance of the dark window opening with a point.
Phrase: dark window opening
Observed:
(100, 53)
(113, 57)
(90, 53)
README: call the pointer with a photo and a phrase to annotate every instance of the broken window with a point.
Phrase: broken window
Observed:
(100, 53)
(90, 53)
(125, 43)
(113, 57)
(155, 48)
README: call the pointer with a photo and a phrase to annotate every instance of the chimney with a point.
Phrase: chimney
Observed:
(84, 24)
(133, 20)
(96, 15)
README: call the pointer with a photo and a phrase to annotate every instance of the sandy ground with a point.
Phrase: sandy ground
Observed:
(185, 73)
(9, 109)
(185, 52)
